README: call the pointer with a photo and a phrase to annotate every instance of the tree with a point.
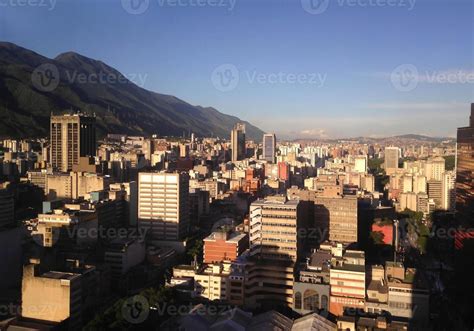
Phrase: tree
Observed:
(377, 237)
(375, 165)
(450, 162)
(196, 250)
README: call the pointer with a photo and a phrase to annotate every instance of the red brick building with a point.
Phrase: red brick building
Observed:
(224, 245)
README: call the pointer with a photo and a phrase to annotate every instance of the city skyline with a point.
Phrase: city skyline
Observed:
(317, 68)
(237, 164)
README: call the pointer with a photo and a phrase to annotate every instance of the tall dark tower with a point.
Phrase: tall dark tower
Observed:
(463, 293)
(269, 147)
(471, 118)
(465, 173)
(237, 138)
(72, 136)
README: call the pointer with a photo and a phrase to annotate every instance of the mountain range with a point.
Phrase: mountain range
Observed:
(33, 86)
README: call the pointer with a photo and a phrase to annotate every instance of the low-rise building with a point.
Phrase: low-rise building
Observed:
(311, 289)
(224, 245)
(347, 279)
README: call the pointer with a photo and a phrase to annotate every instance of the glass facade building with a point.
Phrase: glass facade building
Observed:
(465, 173)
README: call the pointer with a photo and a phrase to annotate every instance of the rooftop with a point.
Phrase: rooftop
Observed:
(59, 275)
(349, 267)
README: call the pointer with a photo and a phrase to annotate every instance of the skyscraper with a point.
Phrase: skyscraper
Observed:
(464, 237)
(269, 147)
(237, 138)
(434, 168)
(464, 173)
(72, 137)
(448, 193)
(391, 159)
(275, 246)
(163, 204)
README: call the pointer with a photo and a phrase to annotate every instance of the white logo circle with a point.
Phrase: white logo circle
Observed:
(135, 7)
(45, 77)
(225, 77)
(405, 77)
(315, 7)
(136, 309)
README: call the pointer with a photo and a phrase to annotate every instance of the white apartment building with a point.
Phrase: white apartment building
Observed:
(163, 204)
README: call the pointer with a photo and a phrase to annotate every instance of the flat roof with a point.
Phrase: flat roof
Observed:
(266, 202)
(350, 267)
(60, 275)
(354, 254)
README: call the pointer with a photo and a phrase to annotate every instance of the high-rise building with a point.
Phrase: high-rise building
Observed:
(72, 137)
(391, 159)
(163, 204)
(337, 217)
(360, 163)
(448, 196)
(464, 237)
(237, 139)
(464, 173)
(274, 225)
(435, 191)
(434, 168)
(275, 246)
(419, 184)
(269, 147)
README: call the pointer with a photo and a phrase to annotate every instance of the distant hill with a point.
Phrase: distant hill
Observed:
(421, 137)
(391, 139)
(33, 86)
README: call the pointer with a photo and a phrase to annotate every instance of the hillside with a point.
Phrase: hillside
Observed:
(33, 86)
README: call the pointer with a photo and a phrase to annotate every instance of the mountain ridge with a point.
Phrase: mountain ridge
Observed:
(120, 105)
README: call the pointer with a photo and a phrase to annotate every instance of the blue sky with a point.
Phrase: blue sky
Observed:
(355, 67)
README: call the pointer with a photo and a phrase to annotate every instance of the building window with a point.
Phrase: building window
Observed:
(298, 300)
(324, 302)
(311, 300)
